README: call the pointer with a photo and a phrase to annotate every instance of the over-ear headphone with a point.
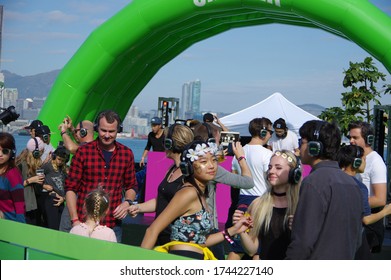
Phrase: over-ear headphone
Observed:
(36, 153)
(169, 143)
(103, 114)
(263, 133)
(295, 173)
(357, 161)
(315, 147)
(211, 139)
(185, 165)
(83, 131)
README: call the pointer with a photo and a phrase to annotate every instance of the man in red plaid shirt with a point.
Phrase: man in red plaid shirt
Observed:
(102, 163)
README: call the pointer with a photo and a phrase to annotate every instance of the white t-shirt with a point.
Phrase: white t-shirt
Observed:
(290, 142)
(258, 159)
(375, 171)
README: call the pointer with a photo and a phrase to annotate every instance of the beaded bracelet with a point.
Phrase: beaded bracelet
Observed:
(227, 236)
(74, 220)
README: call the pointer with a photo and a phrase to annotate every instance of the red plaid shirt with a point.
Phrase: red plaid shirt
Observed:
(88, 171)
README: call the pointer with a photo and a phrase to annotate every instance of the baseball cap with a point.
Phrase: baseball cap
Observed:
(34, 124)
(42, 130)
(208, 117)
(156, 120)
(279, 123)
(32, 144)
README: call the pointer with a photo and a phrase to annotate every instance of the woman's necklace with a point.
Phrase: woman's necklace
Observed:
(172, 173)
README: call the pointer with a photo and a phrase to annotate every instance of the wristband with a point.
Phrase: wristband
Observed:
(131, 202)
(63, 132)
(227, 236)
(27, 182)
(240, 158)
(74, 220)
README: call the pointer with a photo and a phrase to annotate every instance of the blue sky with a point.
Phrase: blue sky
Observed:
(237, 68)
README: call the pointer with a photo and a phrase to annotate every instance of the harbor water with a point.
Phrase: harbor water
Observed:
(137, 145)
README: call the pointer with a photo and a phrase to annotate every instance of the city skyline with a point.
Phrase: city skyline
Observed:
(238, 68)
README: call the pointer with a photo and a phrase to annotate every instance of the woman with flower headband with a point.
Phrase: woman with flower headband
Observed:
(272, 213)
(187, 211)
(96, 206)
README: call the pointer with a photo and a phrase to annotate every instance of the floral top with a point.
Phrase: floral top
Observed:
(192, 228)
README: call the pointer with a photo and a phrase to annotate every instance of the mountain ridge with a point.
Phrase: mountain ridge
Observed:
(39, 86)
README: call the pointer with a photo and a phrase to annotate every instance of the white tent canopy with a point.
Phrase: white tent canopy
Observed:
(274, 107)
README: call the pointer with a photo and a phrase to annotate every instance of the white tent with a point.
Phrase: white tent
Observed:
(274, 107)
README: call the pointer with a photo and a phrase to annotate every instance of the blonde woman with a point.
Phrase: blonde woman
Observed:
(28, 161)
(272, 213)
(96, 206)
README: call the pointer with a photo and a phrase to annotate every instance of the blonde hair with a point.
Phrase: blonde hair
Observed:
(97, 203)
(32, 163)
(181, 135)
(261, 209)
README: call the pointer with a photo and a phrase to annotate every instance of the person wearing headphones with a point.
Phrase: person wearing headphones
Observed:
(44, 133)
(187, 212)
(327, 223)
(283, 138)
(258, 158)
(104, 163)
(11, 183)
(28, 162)
(374, 177)
(272, 212)
(155, 139)
(83, 133)
(351, 160)
(55, 174)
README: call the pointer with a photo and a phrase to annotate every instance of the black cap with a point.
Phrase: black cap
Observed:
(34, 124)
(208, 117)
(42, 130)
(280, 124)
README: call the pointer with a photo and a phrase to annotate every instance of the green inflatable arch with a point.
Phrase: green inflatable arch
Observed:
(120, 57)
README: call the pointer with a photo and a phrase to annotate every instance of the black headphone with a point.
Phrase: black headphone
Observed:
(357, 161)
(102, 114)
(370, 138)
(315, 147)
(186, 165)
(169, 143)
(83, 131)
(295, 173)
(36, 153)
(211, 139)
(263, 133)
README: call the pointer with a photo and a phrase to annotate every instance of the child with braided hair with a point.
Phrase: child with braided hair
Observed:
(96, 206)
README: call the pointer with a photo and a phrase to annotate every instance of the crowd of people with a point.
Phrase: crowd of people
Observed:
(335, 212)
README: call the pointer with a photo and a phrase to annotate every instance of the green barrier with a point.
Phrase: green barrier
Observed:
(120, 57)
(21, 241)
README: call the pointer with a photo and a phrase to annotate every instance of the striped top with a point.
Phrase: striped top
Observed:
(12, 195)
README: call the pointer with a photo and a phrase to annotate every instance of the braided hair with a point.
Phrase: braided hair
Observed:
(97, 203)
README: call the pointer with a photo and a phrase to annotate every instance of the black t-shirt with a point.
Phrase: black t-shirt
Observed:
(157, 144)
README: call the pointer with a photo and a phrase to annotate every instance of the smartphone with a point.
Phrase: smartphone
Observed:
(230, 151)
(40, 172)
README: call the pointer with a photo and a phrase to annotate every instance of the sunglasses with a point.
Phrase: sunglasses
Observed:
(5, 151)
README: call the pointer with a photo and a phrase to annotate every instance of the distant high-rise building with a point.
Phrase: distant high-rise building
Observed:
(133, 112)
(191, 99)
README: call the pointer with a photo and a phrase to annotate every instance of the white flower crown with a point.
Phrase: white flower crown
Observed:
(201, 150)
